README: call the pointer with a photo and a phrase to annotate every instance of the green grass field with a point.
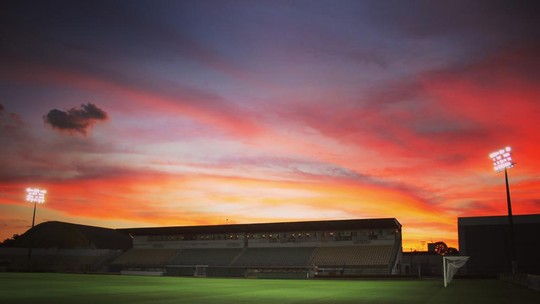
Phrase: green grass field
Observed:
(98, 289)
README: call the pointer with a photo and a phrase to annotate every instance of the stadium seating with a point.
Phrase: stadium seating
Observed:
(145, 257)
(56, 260)
(275, 257)
(285, 250)
(211, 257)
(352, 256)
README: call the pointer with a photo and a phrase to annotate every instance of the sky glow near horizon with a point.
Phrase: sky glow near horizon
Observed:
(172, 113)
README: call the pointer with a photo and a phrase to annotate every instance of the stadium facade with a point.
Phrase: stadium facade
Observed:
(338, 248)
(293, 249)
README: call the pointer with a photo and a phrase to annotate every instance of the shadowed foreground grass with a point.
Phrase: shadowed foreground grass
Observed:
(98, 289)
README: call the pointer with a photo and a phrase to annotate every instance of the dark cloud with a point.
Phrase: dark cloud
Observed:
(1, 108)
(75, 120)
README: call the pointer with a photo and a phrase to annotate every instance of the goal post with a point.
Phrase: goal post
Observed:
(200, 271)
(451, 265)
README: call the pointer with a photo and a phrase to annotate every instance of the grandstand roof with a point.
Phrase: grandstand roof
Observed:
(383, 223)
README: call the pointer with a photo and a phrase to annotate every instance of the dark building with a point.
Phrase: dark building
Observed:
(422, 264)
(64, 247)
(487, 241)
(73, 236)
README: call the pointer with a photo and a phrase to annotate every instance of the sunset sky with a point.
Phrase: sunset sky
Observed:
(173, 113)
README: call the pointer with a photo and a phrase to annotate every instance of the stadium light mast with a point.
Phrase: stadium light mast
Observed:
(34, 195)
(503, 160)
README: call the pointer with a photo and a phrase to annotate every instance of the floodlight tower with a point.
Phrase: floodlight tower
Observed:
(34, 195)
(503, 160)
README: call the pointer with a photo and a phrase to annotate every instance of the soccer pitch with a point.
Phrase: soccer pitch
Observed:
(98, 289)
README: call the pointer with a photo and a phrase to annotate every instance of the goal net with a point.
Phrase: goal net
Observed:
(200, 271)
(451, 265)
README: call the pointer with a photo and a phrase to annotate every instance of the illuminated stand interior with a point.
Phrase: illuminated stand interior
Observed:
(502, 160)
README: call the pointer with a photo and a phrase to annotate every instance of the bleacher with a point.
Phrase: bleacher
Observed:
(57, 260)
(64, 247)
(353, 256)
(64, 263)
(211, 257)
(275, 257)
(303, 249)
(145, 257)
(294, 249)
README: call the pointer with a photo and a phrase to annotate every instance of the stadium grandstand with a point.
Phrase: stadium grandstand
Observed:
(338, 248)
(64, 247)
(293, 249)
